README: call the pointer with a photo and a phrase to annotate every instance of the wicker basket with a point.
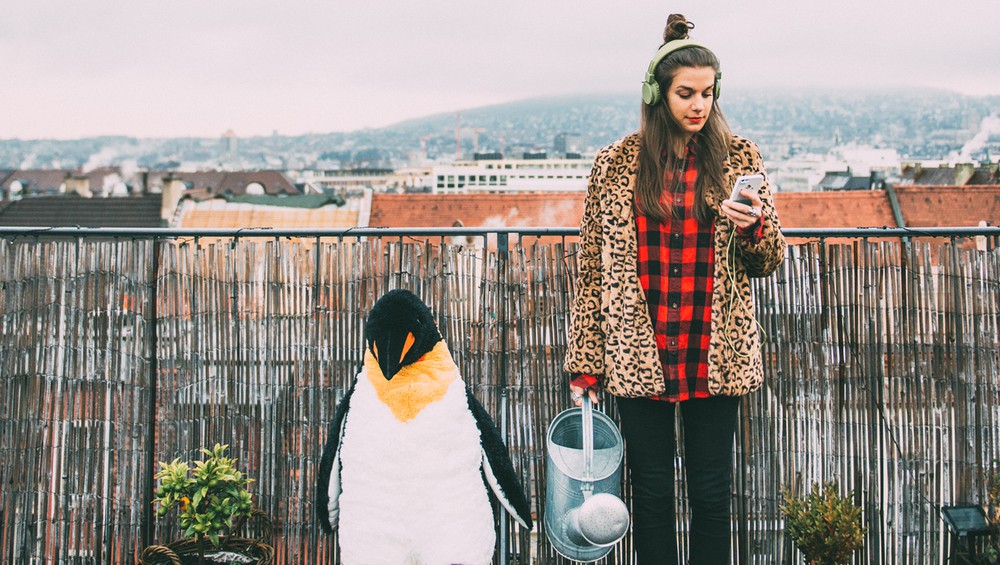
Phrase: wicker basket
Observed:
(188, 551)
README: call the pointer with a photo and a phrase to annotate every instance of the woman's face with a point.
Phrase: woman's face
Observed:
(690, 97)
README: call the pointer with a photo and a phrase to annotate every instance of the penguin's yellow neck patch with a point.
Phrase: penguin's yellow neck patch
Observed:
(415, 385)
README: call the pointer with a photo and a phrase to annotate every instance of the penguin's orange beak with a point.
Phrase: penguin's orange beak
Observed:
(407, 344)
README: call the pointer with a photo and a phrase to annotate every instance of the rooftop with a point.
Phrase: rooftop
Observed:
(69, 210)
(300, 211)
(491, 210)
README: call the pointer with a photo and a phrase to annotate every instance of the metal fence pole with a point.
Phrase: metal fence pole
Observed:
(151, 344)
(742, 519)
(502, 256)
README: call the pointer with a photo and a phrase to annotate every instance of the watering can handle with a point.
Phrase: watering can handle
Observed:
(588, 438)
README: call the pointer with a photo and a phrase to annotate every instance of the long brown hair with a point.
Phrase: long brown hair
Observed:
(659, 131)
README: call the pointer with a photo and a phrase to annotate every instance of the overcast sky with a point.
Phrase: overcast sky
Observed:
(73, 68)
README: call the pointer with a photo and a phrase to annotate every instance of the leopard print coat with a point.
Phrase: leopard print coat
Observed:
(611, 335)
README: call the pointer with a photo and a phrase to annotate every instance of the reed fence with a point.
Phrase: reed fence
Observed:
(120, 349)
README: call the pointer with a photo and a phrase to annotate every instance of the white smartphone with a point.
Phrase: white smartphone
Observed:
(752, 182)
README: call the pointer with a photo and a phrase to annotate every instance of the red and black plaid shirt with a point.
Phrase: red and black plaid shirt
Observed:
(676, 271)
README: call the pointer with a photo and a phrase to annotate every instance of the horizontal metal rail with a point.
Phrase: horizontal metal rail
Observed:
(167, 233)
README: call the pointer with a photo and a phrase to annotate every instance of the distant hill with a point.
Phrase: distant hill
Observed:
(918, 122)
(815, 119)
(599, 118)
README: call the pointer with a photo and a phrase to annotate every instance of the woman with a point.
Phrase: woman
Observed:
(663, 314)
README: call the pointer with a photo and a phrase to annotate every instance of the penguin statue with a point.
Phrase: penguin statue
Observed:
(410, 452)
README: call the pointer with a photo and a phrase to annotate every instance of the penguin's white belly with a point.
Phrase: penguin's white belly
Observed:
(413, 492)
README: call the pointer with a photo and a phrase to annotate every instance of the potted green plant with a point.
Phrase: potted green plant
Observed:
(824, 526)
(212, 501)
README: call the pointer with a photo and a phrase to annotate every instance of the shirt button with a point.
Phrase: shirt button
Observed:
(678, 201)
(674, 305)
(676, 270)
(673, 342)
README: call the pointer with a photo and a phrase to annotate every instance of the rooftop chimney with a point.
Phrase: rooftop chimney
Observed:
(964, 172)
(79, 184)
(173, 190)
(876, 180)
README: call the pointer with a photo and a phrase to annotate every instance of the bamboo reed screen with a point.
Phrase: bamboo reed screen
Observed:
(881, 361)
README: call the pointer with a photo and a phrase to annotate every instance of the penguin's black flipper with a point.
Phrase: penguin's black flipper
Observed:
(328, 485)
(497, 467)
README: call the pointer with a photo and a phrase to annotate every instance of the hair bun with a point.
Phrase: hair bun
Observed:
(677, 28)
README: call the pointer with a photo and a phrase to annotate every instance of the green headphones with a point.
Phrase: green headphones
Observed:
(651, 89)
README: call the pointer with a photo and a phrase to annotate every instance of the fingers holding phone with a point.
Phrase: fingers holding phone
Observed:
(744, 206)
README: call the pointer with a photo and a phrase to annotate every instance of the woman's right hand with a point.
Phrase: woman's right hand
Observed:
(576, 394)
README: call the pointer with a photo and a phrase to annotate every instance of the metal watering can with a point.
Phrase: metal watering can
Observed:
(584, 513)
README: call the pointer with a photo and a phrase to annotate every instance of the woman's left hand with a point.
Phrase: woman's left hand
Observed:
(744, 215)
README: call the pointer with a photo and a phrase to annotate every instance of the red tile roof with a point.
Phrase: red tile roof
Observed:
(921, 206)
(556, 209)
(545, 210)
(947, 206)
(840, 209)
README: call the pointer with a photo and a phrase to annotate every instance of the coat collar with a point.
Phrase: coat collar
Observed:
(630, 152)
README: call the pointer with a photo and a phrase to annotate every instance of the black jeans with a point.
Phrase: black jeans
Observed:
(650, 445)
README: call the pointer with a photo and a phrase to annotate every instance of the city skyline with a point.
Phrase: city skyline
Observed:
(146, 69)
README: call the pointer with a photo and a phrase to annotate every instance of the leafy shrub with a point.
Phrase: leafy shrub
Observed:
(824, 526)
(209, 499)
